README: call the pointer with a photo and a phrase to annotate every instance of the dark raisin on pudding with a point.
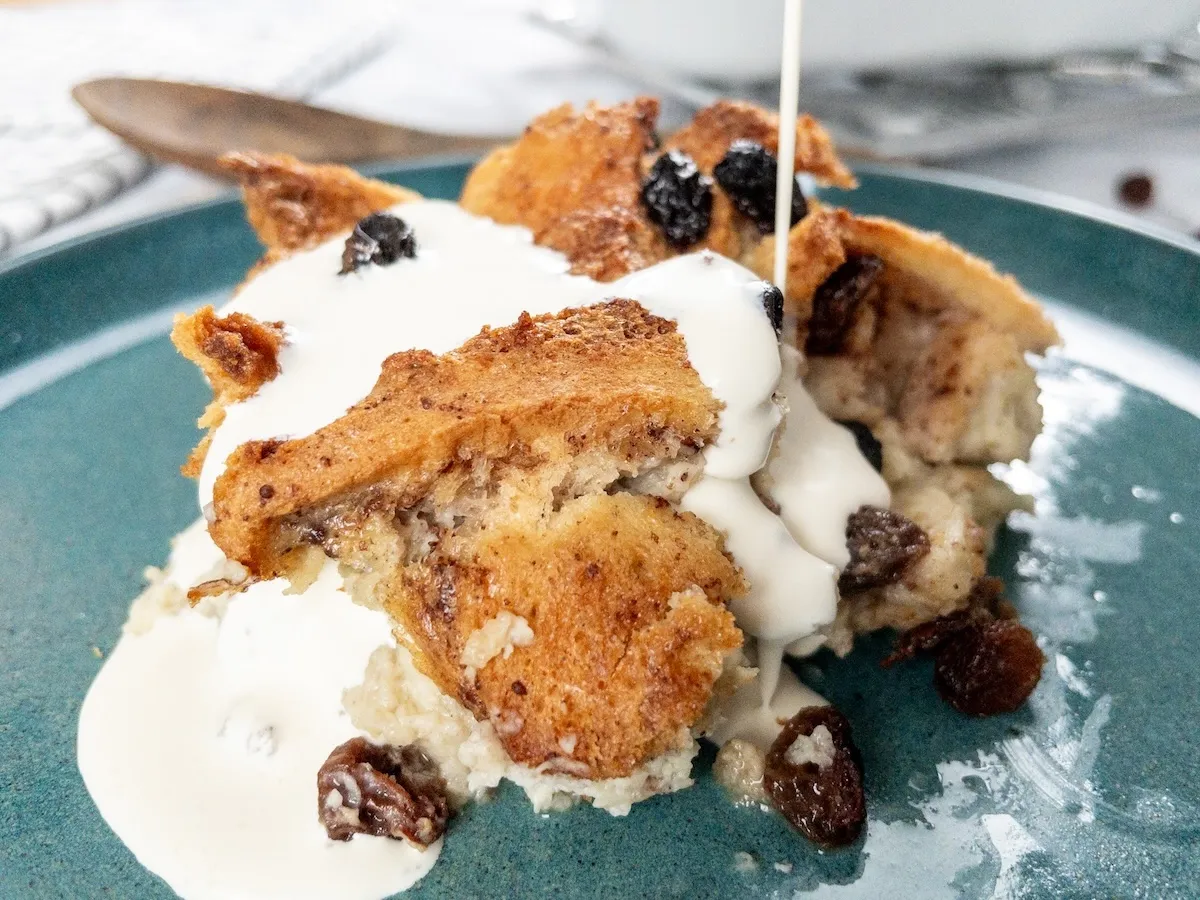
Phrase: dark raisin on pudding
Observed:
(927, 637)
(882, 544)
(678, 199)
(985, 661)
(383, 790)
(868, 444)
(836, 302)
(985, 602)
(380, 239)
(747, 174)
(813, 776)
(772, 301)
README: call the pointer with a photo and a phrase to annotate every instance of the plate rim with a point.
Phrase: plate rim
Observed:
(1050, 201)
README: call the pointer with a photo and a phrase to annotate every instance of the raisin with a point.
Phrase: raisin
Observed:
(747, 174)
(678, 199)
(882, 545)
(383, 790)
(985, 602)
(985, 661)
(772, 301)
(380, 238)
(928, 636)
(837, 300)
(868, 444)
(818, 786)
(1136, 190)
(988, 667)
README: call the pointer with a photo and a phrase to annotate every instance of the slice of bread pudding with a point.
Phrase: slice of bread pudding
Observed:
(514, 504)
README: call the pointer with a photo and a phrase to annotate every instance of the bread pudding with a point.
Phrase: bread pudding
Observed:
(595, 476)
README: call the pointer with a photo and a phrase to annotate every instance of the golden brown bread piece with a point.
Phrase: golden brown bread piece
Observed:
(713, 129)
(938, 346)
(237, 354)
(610, 376)
(565, 162)
(625, 600)
(575, 178)
(472, 484)
(294, 206)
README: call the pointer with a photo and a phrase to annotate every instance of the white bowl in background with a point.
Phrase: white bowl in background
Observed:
(740, 40)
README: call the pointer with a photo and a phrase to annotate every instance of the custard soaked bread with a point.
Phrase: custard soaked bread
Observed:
(904, 333)
(500, 457)
(514, 504)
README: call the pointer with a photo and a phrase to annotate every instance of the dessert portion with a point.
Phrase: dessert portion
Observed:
(469, 494)
(587, 477)
(919, 346)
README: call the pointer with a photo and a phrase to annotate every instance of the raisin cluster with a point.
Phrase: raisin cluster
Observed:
(985, 662)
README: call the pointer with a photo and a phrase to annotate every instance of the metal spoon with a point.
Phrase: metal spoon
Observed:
(194, 124)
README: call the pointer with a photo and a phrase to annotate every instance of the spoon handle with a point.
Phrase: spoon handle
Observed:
(193, 125)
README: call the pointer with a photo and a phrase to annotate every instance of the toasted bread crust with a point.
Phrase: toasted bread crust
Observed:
(564, 163)
(918, 260)
(294, 206)
(609, 376)
(604, 244)
(625, 600)
(237, 354)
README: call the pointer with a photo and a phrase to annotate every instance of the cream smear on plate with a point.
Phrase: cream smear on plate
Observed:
(201, 737)
(231, 718)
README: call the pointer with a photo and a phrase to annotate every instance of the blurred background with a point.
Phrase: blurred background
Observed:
(1095, 99)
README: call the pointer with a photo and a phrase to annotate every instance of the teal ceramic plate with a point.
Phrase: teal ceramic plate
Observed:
(1092, 790)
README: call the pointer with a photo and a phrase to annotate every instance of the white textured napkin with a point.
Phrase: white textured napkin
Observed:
(54, 164)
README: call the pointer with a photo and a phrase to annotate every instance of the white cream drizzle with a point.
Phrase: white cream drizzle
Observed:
(470, 272)
(746, 717)
(817, 466)
(200, 741)
(163, 695)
